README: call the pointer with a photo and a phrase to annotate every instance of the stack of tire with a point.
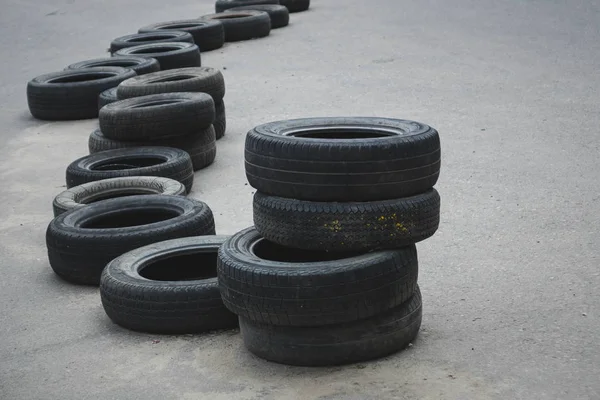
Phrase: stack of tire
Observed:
(328, 274)
(174, 108)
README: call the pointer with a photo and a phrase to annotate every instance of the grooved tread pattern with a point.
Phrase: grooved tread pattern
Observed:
(352, 226)
(207, 35)
(351, 342)
(220, 123)
(313, 293)
(248, 25)
(278, 14)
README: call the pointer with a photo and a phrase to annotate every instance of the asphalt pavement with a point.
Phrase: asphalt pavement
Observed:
(510, 281)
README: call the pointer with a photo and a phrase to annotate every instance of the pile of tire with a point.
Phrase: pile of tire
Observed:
(328, 274)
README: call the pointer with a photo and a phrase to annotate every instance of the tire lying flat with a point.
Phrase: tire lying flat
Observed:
(141, 65)
(351, 342)
(167, 287)
(342, 159)
(136, 161)
(200, 146)
(244, 25)
(198, 79)
(270, 284)
(72, 94)
(350, 226)
(170, 55)
(149, 37)
(295, 5)
(208, 35)
(279, 15)
(82, 241)
(222, 5)
(157, 116)
(79, 196)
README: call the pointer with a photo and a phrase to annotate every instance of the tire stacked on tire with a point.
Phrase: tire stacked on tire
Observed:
(328, 274)
(180, 120)
(201, 79)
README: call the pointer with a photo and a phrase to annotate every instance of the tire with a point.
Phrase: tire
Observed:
(220, 123)
(72, 94)
(384, 224)
(357, 341)
(170, 55)
(207, 35)
(278, 14)
(168, 287)
(343, 159)
(91, 192)
(136, 161)
(141, 65)
(157, 116)
(199, 79)
(200, 146)
(275, 285)
(222, 5)
(107, 97)
(82, 241)
(149, 37)
(244, 25)
(295, 5)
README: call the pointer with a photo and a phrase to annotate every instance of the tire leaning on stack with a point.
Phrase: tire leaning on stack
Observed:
(340, 203)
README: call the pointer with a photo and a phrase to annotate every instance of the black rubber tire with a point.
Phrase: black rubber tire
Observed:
(207, 35)
(198, 79)
(107, 97)
(351, 342)
(352, 226)
(181, 304)
(279, 15)
(170, 55)
(200, 146)
(91, 192)
(271, 284)
(244, 25)
(78, 99)
(79, 250)
(295, 5)
(220, 123)
(222, 5)
(282, 161)
(136, 161)
(141, 65)
(149, 37)
(157, 116)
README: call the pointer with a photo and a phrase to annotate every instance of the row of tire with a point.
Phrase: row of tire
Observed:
(328, 274)
(84, 87)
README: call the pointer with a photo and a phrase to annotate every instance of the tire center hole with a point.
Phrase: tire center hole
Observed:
(127, 163)
(184, 267)
(129, 217)
(173, 78)
(113, 195)
(180, 26)
(149, 38)
(271, 251)
(232, 16)
(340, 133)
(81, 77)
(162, 49)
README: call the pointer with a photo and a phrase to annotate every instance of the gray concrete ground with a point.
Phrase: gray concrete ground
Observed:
(510, 281)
